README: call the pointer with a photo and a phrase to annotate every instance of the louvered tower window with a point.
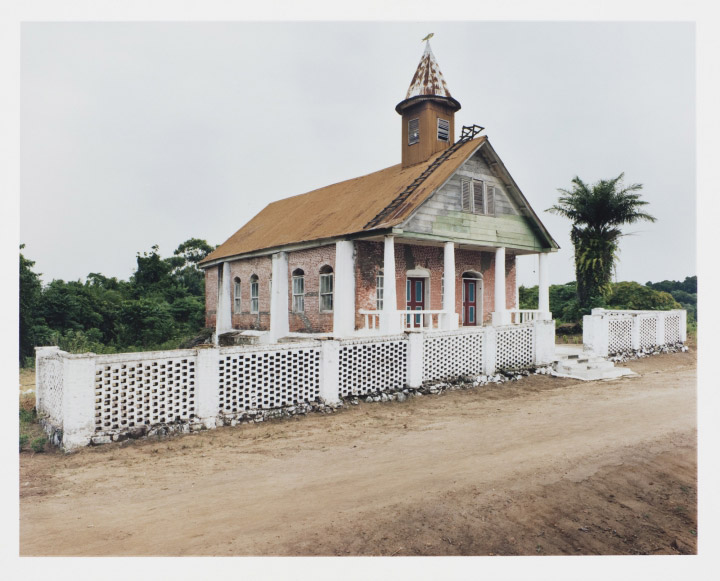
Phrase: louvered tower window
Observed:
(443, 130)
(413, 131)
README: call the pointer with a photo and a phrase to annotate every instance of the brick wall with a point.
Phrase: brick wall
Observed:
(310, 261)
(368, 262)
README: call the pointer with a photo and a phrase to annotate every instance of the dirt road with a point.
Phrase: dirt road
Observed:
(539, 466)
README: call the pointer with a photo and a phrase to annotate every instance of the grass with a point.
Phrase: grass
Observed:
(31, 436)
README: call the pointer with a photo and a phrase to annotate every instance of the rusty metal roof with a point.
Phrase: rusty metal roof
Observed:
(428, 80)
(341, 209)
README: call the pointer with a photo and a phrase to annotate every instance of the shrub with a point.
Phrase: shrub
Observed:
(23, 440)
(38, 444)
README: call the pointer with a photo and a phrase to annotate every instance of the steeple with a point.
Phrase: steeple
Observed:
(428, 112)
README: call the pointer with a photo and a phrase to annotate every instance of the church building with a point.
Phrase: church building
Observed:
(436, 235)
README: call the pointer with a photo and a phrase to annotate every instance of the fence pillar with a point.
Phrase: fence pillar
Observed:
(544, 342)
(78, 400)
(207, 398)
(635, 333)
(683, 325)
(490, 351)
(415, 359)
(595, 333)
(40, 354)
(330, 371)
(660, 329)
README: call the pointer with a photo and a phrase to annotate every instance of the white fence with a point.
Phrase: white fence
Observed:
(95, 398)
(608, 332)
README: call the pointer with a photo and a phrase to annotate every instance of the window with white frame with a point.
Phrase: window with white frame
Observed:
(254, 294)
(379, 290)
(236, 296)
(326, 289)
(476, 197)
(413, 131)
(443, 130)
(298, 290)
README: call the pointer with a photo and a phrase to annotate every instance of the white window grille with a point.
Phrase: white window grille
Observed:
(298, 291)
(237, 307)
(379, 290)
(443, 130)
(254, 294)
(413, 131)
(326, 289)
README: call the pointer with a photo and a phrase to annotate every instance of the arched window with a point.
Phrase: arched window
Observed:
(298, 290)
(326, 289)
(254, 294)
(379, 290)
(236, 295)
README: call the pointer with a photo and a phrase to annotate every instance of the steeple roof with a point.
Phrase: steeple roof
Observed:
(427, 83)
(428, 80)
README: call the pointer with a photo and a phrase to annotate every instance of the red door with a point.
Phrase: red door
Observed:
(415, 297)
(470, 313)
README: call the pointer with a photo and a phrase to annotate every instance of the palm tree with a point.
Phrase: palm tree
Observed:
(597, 212)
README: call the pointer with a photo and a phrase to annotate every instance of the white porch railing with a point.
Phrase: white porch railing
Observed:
(518, 316)
(424, 320)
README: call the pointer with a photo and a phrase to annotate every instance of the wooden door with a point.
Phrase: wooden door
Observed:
(415, 298)
(470, 300)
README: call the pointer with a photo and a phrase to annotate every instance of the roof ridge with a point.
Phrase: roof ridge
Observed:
(468, 134)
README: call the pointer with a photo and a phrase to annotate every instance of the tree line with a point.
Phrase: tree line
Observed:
(666, 295)
(161, 306)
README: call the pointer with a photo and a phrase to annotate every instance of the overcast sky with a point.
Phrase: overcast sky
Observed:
(135, 134)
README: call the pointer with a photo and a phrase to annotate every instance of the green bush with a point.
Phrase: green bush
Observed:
(38, 444)
(23, 440)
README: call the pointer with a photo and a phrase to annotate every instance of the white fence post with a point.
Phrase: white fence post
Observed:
(330, 371)
(635, 333)
(595, 333)
(207, 395)
(40, 354)
(490, 351)
(415, 359)
(660, 329)
(683, 326)
(544, 331)
(78, 400)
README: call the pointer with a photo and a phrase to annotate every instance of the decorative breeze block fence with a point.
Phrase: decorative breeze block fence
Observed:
(91, 398)
(609, 332)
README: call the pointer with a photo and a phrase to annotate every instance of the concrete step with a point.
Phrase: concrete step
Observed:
(587, 367)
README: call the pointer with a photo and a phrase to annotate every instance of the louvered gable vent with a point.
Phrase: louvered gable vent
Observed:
(466, 195)
(478, 197)
(490, 202)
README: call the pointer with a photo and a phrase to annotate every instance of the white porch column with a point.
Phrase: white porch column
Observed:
(543, 287)
(223, 315)
(344, 291)
(390, 322)
(451, 320)
(500, 316)
(279, 319)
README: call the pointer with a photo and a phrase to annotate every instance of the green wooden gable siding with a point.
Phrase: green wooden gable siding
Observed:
(442, 216)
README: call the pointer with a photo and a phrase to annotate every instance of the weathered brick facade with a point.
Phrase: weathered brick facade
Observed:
(368, 262)
(310, 261)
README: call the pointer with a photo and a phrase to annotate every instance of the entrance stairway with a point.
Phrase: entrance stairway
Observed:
(572, 361)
